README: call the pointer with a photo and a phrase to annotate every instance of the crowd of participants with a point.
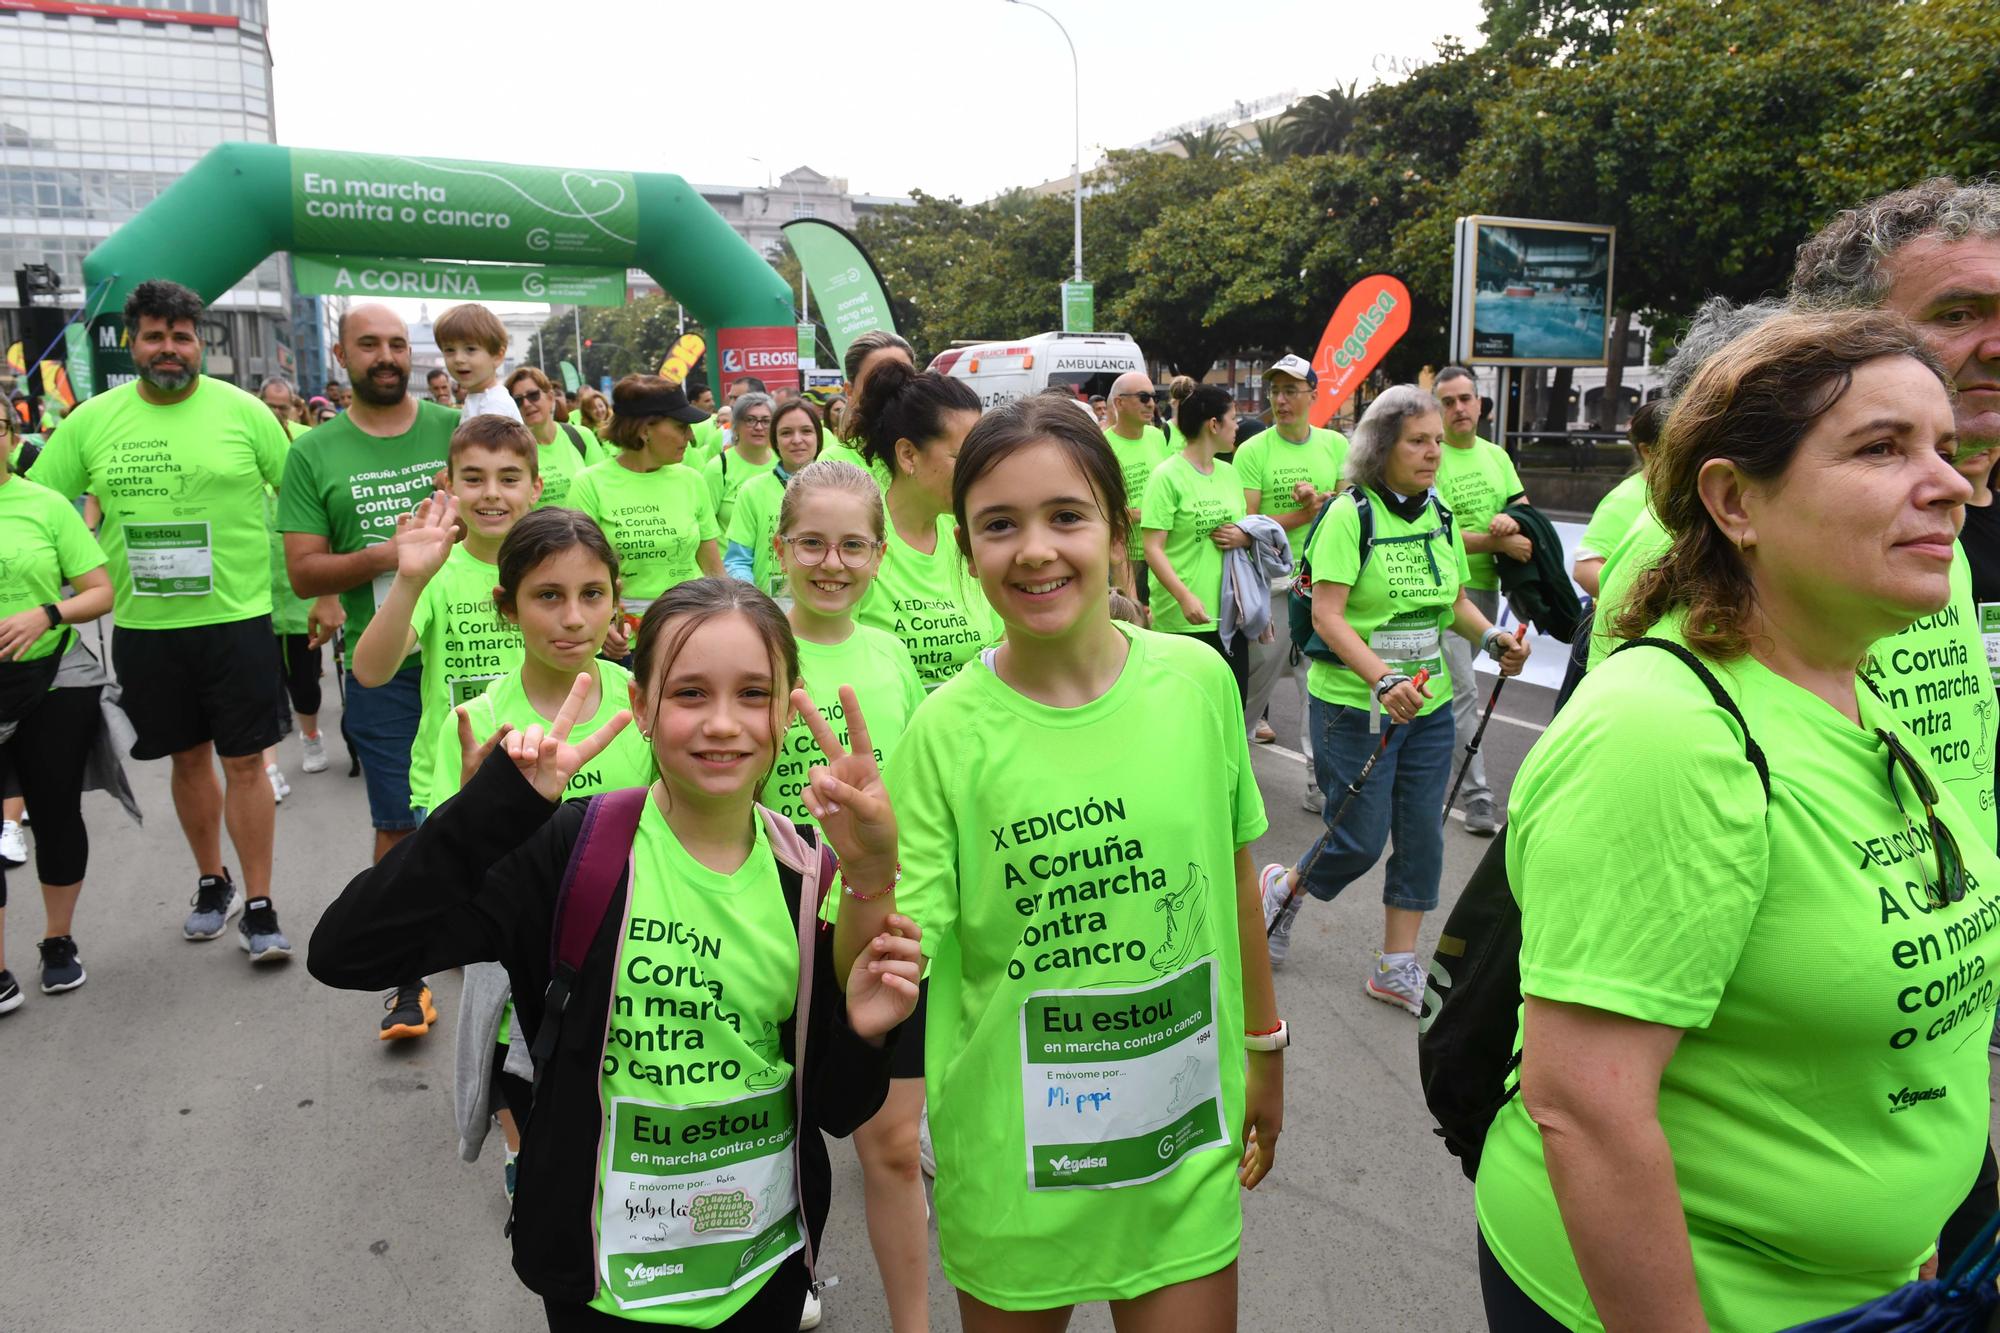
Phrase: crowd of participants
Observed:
(917, 742)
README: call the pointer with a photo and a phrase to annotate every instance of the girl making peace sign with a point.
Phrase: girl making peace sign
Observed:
(672, 1172)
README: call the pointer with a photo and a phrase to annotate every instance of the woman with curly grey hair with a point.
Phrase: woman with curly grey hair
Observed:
(1387, 584)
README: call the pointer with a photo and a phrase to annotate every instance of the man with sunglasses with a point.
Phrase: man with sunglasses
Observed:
(1139, 446)
(1288, 472)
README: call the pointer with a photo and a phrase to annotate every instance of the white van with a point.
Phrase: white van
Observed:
(1000, 372)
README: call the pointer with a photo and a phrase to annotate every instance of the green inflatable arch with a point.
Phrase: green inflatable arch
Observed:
(246, 201)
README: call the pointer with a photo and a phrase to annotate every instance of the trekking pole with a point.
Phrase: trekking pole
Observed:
(1339, 813)
(1472, 746)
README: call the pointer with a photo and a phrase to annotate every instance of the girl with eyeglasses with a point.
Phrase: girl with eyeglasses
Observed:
(1752, 1083)
(828, 548)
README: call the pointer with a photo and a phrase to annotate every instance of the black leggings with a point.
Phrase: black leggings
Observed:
(1238, 658)
(1508, 1308)
(299, 668)
(47, 753)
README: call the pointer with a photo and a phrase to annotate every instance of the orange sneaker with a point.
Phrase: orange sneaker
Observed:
(411, 1012)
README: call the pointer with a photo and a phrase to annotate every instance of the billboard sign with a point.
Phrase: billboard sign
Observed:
(1528, 292)
(770, 354)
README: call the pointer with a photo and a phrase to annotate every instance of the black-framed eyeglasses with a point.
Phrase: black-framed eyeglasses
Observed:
(531, 396)
(1950, 883)
(852, 552)
(1146, 397)
(753, 421)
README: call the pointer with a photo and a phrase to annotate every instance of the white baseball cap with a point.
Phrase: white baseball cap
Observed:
(1295, 366)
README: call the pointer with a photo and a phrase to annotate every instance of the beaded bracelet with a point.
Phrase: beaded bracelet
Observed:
(848, 889)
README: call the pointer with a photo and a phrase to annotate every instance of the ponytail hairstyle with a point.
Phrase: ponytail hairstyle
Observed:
(899, 402)
(859, 352)
(541, 535)
(1039, 419)
(684, 608)
(832, 474)
(1201, 405)
(1751, 403)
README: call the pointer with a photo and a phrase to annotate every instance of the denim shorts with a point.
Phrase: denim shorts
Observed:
(382, 728)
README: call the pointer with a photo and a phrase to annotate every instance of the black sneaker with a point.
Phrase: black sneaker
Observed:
(61, 969)
(411, 1012)
(215, 901)
(259, 935)
(10, 992)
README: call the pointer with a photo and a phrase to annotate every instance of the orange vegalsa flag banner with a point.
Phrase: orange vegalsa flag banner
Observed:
(1374, 313)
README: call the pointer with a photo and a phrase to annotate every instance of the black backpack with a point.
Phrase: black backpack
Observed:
(1306, 639)
(1465, 1035)
(575, 438)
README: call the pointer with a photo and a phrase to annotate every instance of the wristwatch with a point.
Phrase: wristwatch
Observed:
(1277, 1039)
(1390, 682)
(55, 616)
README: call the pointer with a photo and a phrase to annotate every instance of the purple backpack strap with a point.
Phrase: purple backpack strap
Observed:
(596, 862)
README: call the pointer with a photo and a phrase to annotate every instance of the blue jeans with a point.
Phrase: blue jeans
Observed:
(382, 728)
(1403, 796)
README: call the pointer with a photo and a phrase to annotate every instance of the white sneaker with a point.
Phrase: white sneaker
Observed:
(13, 845)
(810, 1315)
(315, 747)
(1279, 913)
(1398, 981)
(926, 1154)
(279, 787)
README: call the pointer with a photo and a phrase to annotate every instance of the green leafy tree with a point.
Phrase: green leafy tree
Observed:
(1574, 29)
(1211, 144)
(1321, 123)
(1931, 108)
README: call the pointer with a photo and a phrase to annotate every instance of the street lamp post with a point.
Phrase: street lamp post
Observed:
(1076, 164)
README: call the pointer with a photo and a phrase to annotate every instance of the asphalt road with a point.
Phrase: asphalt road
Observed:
(188, 1144)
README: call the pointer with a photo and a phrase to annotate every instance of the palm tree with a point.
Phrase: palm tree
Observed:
(1321, 123)
(1274, 138)
(1213, 144)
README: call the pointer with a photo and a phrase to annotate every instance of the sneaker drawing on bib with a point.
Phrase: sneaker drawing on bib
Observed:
(215, 901)
(1185, 909)
(1397, 979)
(259, 935)
(62, 970)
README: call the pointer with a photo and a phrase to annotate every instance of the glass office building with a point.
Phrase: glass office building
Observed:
(102, 107)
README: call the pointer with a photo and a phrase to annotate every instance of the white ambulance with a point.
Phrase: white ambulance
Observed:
(1083, 363)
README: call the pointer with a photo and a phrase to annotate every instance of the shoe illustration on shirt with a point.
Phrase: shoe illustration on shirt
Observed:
(1184, 1085)
(1185, 910)
(772, 1075)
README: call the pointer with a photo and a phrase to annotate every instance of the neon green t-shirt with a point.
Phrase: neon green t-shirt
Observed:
(1477, 483)
(1401, 603)
(932, 603)
(1136, 461)
(182, 488)
(878, 667)
(1272, 464)
(43, 544)
(626, 762)
(1827, 1105)
(841, 453)
(1188, 506)
(1073, 872)
(656, 521)
(1612, 518)
(1644, 542)
(290, 613)
(558, 462)
(755, 522)
(696, 1200)
(466, 644)
(707, 443)
(726, 475)
(1933, 676)
(350, 487)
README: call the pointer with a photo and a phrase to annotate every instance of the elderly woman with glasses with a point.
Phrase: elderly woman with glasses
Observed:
(562, 450)
(749, 453)
(1752, 1084)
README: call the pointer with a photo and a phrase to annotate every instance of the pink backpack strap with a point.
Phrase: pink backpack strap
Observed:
(596, 863)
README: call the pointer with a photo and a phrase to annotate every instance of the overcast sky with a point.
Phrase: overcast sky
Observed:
(964, 97)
